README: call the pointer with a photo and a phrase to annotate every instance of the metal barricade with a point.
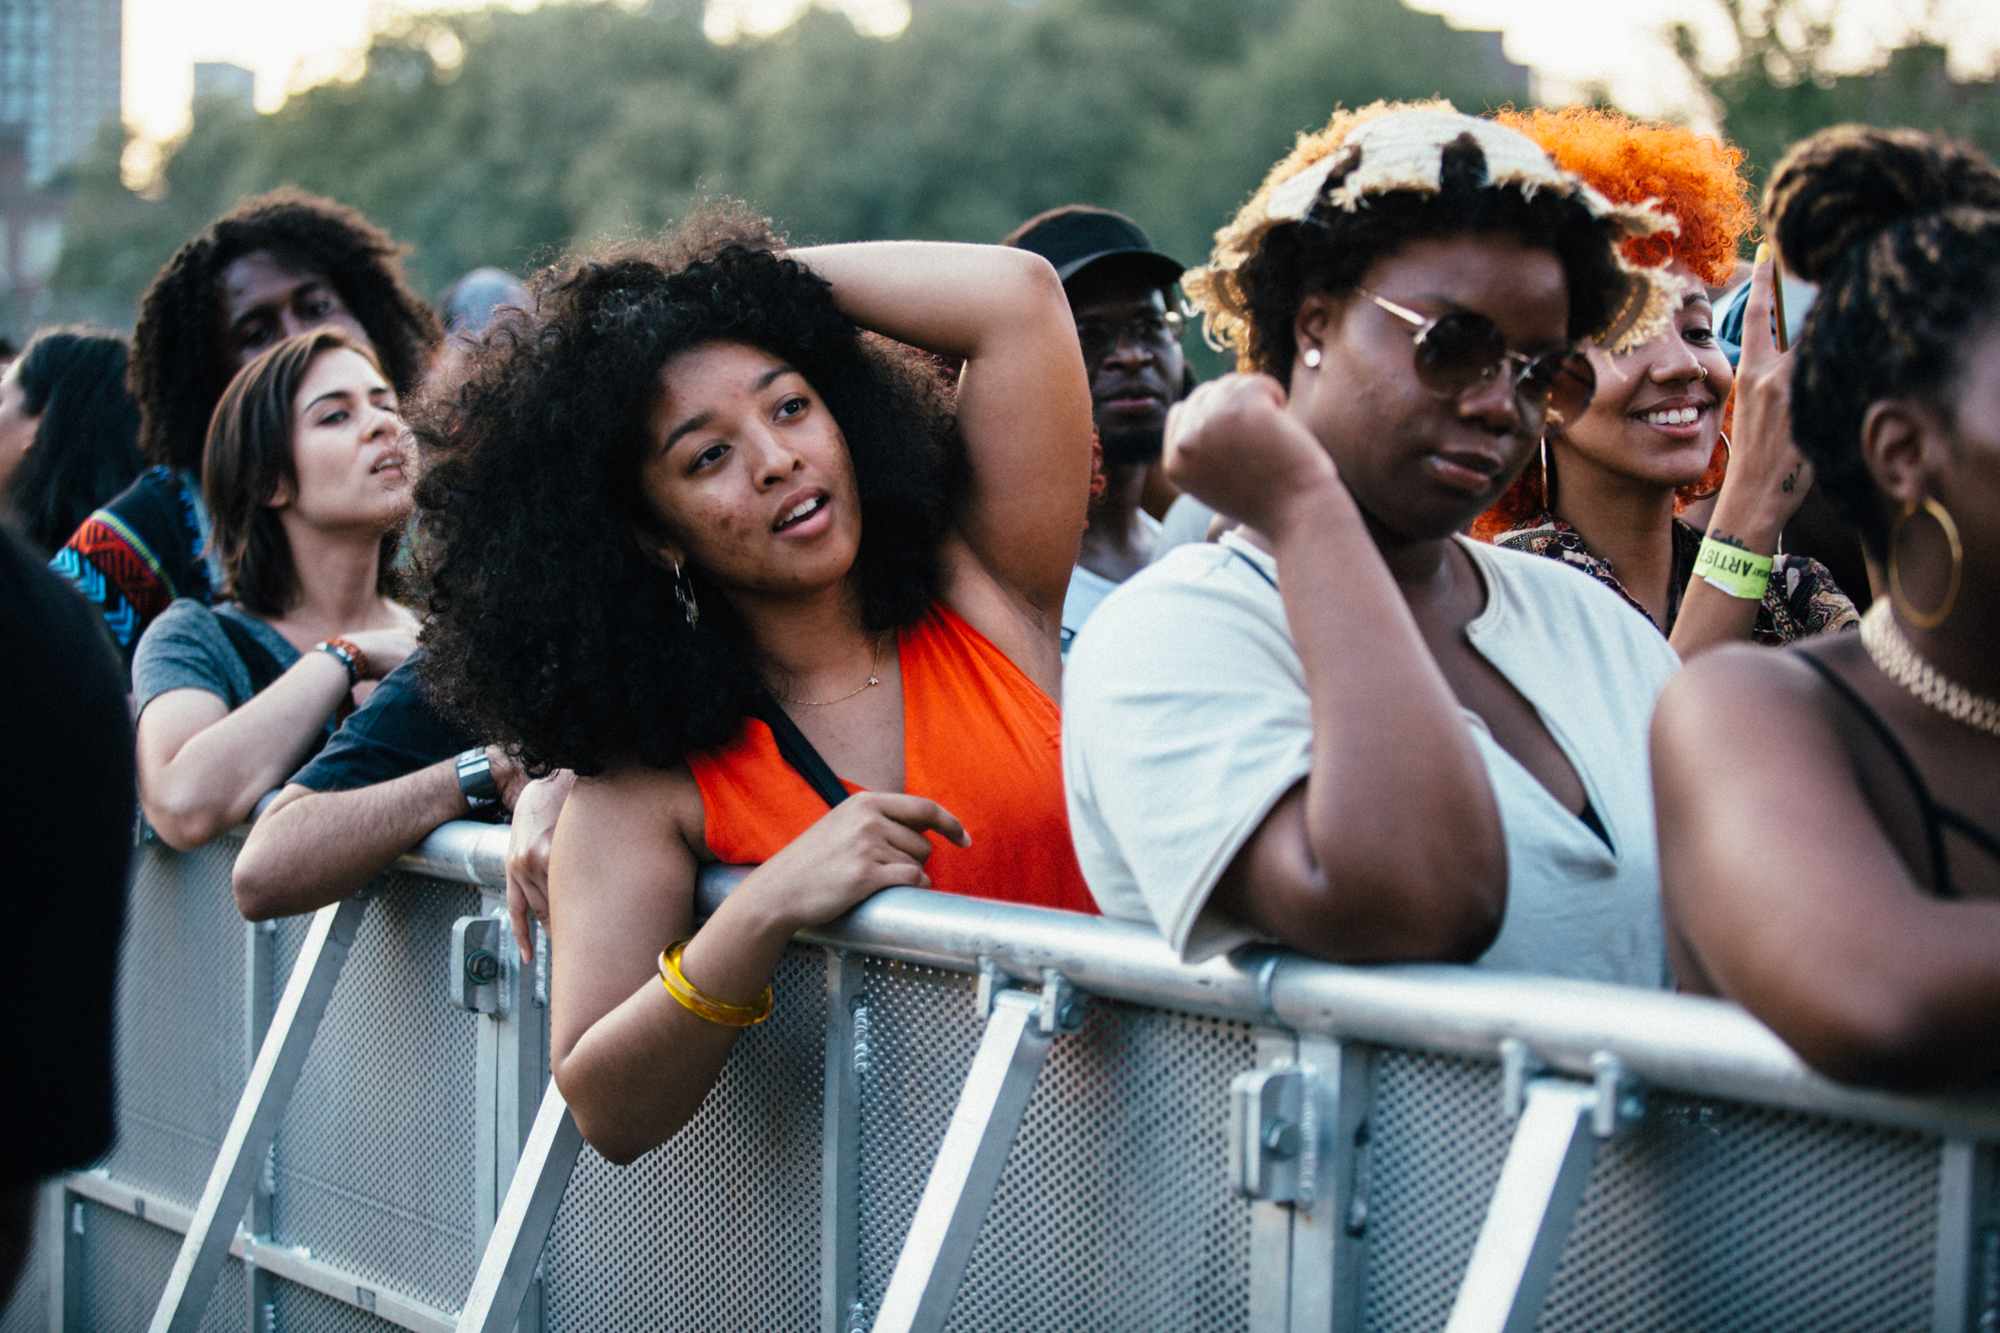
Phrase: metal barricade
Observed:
(971, 1116)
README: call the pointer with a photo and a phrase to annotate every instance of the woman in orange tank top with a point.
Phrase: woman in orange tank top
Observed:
(688, 493)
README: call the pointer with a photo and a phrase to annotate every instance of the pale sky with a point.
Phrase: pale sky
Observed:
(1571, 44)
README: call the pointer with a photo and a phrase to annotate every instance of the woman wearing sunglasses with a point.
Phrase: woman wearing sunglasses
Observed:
(1605, 491)
(1343, 726)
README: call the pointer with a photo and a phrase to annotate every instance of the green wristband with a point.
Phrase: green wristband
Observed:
(1732, 569)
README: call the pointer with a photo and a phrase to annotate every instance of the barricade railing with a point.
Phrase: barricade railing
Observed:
(970, 1115)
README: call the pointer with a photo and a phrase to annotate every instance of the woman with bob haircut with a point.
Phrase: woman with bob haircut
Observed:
(69, 432)
(1859, 913)
(1344, 726)
(306, 475)
(693, 531)
(1609, 484)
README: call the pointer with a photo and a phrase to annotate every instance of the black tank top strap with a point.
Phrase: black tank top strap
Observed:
(1934, 816)
(1972, 832)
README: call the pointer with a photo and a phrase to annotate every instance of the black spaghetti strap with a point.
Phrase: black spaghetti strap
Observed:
(1972, 832)
(1933, 824)
(798, 751)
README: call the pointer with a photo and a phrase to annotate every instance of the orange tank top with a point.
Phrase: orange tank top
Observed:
(979, 738)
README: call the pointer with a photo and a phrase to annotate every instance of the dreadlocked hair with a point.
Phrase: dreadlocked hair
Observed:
(1333, 248)
(1901, 230)
(180, 359)
(554, 629)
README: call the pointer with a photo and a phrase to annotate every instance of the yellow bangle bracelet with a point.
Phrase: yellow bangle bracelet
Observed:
(1731, 569)
(691, 998)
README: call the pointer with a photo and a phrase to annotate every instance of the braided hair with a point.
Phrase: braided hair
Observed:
(1901, 230)
(180, 360)
(553, 628)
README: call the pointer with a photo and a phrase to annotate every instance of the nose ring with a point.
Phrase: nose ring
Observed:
(1704, 371)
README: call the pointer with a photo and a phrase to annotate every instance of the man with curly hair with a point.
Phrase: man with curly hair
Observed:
(272, 267)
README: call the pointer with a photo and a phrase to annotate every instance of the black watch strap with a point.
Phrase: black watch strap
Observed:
(475, 778)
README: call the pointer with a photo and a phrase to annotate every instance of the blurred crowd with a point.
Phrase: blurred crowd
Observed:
(1550, 588)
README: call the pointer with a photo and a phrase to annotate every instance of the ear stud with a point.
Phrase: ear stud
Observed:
(1311, 358)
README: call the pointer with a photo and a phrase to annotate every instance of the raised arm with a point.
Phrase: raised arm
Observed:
(1766, 482)
(1023, 398)
(1811, 921)
(1391, 848)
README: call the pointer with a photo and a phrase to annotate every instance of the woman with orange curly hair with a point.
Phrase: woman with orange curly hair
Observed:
(1606, 492)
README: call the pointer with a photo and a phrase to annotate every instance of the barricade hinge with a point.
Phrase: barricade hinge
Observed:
(475, 964)
(1617, 1099)
(1274, 1134)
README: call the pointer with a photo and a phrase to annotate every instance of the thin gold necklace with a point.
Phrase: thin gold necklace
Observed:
(1895, 658)
(874, 678)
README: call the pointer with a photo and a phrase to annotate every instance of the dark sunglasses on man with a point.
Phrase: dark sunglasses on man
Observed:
(1464, 350)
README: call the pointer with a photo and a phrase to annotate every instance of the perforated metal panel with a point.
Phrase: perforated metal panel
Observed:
(182, 1049)
(1439, 1136)
(1115, 1210)
(1713, 1215)
(917, 1040)
(376, 1155)
(125, 1266)
(717, 1231)
(302, 1310)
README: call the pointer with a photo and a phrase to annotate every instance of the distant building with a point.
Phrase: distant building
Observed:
(59, 77)
(59, 84)
(217, 83)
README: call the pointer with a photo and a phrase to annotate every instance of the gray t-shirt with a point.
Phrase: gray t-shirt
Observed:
(1186, 719)
(187, 648)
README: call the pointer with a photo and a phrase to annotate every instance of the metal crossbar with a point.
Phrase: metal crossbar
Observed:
(258, 1113)
(1368, 1126)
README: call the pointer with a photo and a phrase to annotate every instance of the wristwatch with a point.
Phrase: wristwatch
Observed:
(475, 778)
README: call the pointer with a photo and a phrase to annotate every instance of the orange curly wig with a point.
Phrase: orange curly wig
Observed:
(1694, 178)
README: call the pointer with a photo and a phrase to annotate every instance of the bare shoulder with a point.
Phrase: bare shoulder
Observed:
(1740, 694)
(639, 807)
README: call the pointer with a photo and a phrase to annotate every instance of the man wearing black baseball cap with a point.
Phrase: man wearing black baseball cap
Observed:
(1121, 291)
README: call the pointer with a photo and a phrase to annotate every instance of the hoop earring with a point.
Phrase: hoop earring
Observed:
(684, 594)
(1926, 619)
(1727, 456)
(1311, 357)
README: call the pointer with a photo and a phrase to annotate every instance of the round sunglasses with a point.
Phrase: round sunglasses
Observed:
(1465, 350)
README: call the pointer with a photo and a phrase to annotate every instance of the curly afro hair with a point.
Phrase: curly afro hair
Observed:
(1901, 230)
(553, 629)
(1693, 178)
(180, 360)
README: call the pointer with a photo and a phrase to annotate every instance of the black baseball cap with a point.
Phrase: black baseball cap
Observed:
(1075, 238)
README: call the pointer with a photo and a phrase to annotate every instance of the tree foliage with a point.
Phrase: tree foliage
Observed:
(1779, 84)
(497, 137)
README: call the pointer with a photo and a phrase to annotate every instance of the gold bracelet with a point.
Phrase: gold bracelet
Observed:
(691, 998)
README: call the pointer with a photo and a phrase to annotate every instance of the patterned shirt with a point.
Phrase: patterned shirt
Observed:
(144, 548)
(1801, 601)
